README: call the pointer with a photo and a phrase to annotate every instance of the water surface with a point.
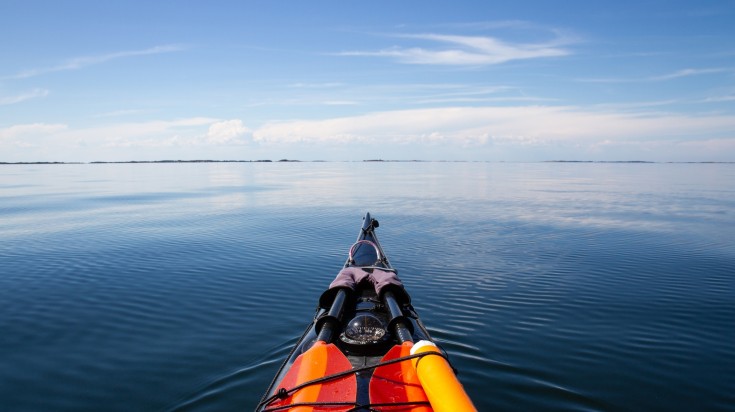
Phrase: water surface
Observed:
(183, 286)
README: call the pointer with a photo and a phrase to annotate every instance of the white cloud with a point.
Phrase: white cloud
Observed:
(123, 134)
(479, 125)
(34, 129)
(439, 133)
(466, 50)
(689, 72)
(727, 98)
(81, 62)
(659, 78)
(117, 113)
(155, 133)
(469, 100)
(193, 131)
(153, 127)
(340, 103)
(329, 85)
(35, 93)
(227, 131)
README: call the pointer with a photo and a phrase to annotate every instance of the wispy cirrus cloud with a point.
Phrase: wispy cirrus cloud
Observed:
(117, 113)
(340, 103)
(466, 50)
(33, 94)
(326, 85)
(690, 72)
(660, 78)
(81, 62)
(717, 99)
(472, 94)
(496, 24)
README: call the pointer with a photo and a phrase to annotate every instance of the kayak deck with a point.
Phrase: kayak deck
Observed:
(356, 354)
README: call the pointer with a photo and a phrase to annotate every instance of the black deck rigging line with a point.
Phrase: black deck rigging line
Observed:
(356, 406)
(294, 405)
(284, 393)
(370, 406)
(263, 400)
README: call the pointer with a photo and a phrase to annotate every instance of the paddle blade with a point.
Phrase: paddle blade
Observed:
(397, 383)
(320, 360)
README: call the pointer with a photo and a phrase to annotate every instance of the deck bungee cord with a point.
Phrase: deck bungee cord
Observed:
(284, 393)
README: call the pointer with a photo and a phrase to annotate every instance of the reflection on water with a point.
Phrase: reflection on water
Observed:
(183, 286)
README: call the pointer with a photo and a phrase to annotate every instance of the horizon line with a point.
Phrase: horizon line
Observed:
(356, 161)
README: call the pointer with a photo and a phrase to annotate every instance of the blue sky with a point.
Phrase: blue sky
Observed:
(328, 80)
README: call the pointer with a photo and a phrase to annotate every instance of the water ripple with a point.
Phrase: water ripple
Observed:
(182, 287)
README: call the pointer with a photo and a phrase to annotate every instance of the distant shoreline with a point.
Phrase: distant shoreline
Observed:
(366, 161)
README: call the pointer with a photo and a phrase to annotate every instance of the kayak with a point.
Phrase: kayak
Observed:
(366, 348)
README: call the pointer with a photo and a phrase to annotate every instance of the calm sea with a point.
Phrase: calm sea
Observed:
(553, 286)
